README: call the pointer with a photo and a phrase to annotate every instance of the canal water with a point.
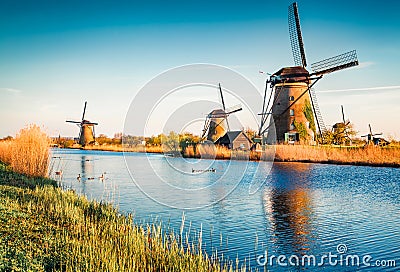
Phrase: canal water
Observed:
(291, 217)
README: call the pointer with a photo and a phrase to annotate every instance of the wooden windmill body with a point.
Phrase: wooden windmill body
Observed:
(289, 117)
(218, 126)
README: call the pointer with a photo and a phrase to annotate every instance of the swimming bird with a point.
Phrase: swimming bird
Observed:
(78, 177)
(102, 177)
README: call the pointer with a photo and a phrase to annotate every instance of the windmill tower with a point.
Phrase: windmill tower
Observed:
(216, 124)
(292, 102)
(86, 132)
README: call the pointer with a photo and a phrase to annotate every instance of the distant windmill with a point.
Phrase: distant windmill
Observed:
(86, 132)
(371, 139)
(216, 124)
(292, 101)
(341, 130)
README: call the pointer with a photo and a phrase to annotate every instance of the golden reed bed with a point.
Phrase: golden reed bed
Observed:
(369, 155)
(28, 153)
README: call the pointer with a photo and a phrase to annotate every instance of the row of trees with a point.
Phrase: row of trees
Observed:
(172, 142)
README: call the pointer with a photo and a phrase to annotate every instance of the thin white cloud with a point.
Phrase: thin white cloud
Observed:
(364, 64)
(48, 107)
(241, 66)
(10, 90)
(396, 87)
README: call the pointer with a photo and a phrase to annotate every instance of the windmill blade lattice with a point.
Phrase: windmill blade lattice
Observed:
(317, 112)
(342, 61)
(296, 38)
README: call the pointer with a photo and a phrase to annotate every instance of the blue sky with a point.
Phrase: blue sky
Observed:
(54, 55)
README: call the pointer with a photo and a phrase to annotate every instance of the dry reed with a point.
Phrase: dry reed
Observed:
(120, 148)
(28, 153)
(369, 155)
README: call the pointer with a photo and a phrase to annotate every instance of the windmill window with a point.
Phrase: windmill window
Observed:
(291, 112)
(292, 126)
(291, 98)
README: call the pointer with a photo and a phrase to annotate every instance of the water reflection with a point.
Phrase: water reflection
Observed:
(288, 209)
(87, 167)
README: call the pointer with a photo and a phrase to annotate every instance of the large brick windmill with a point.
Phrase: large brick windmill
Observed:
(86, 132)
(292, 101)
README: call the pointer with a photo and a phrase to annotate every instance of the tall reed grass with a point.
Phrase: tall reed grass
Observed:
(120, 148)
(368, 155)
(28, 153)
(210, 151)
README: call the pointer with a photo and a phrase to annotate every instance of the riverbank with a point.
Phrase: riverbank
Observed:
(44, 228)
(363, 156)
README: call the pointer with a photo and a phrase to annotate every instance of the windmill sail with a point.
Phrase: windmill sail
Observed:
(344, 120)
(84, 111)
(317, 113)
(234, 109)
(296, 38)
(223, 105)
(342, 61)
(222, 96)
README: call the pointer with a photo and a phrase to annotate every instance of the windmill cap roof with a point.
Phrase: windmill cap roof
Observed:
(218, 111)
(290, 74)
(292, 71)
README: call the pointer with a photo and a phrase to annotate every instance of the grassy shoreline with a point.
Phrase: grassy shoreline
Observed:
(358, 156)
(44, 228)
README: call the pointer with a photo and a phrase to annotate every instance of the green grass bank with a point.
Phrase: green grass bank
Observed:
(44, 228)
